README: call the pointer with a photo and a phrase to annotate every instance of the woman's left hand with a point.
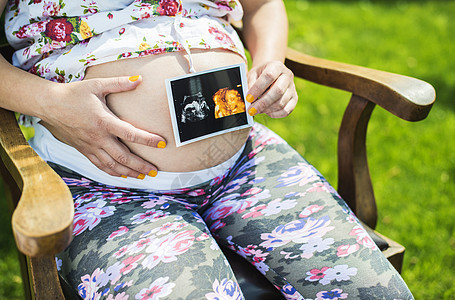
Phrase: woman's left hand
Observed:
(272, 90)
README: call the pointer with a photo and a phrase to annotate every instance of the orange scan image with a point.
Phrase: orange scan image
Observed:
(228, 102)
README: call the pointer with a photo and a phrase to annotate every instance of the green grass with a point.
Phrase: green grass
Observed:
(412, 164)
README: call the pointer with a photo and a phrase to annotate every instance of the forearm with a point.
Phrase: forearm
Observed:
(265, 30)
(23, 92)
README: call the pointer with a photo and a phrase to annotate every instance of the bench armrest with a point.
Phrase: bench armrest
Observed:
(408, 98)
(43, 218)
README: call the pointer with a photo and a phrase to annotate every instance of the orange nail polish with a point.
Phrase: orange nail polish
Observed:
(153, 173)
(252, 111)
(141, 176)
(133, 78)
(123, 176)
(161, 144)
(249, 98)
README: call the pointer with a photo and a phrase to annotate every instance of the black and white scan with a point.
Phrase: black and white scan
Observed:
(195, 108)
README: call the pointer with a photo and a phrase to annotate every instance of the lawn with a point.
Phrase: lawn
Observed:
(412, 164)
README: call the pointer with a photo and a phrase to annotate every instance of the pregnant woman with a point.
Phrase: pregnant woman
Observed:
(149, 215)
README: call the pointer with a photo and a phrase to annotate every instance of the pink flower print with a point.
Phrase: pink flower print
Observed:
(345, 250)
(112, 274)
(168, 227)
(290, 293)
(255, 212)
(225, 4)
(169, 7)
(131, 263)
(226, 289)
(269, 138)
(90, 215)
(196, 192)
(301, 174)
(310, 210)
(256, 194)
(120, 200)
(257, 252)
(363, 238)
(316, 274)
(121, 231)
(88, 288)
(158, 289)
(121, 31)
(120, 252)
(150, 215)
(50, 9)
(221, 36)
(202, 237)
(144, 15)
(168, 247)
(121, 296)
(110, 16)
(87, 196)
(139, 245)
(298, 231)
(334, 294)
(22, 33)
(218, 224)
(59, 30)
(223, 208)
(153, 202)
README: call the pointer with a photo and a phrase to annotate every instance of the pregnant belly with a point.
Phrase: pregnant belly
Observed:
(147, 108)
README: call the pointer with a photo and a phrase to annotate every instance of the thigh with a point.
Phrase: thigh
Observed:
(141, 245)
(279, 213)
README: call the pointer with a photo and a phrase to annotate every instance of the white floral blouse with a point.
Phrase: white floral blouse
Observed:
(59, 39)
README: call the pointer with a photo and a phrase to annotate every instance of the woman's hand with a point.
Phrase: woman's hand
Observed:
(272, 90)
(82, 119)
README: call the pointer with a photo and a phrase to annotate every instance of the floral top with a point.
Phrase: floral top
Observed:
(59, 39)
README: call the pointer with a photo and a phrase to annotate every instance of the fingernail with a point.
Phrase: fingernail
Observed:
(249, 98)
(123, 176)
(153, 173)
(161, 144)
(141, 176)
(133, 78)
(252, 111)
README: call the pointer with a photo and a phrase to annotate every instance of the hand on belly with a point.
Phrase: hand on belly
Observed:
(147, 108)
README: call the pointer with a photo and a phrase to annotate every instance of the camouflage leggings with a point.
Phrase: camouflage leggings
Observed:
(271, 207)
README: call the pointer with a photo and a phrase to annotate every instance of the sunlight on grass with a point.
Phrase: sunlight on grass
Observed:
(412, 164)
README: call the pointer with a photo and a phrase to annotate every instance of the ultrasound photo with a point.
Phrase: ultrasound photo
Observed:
(208, 103)
(194, 108)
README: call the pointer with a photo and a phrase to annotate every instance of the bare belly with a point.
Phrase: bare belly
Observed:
(147, 108)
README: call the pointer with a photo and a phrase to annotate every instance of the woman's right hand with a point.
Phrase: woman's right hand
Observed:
(80, 118)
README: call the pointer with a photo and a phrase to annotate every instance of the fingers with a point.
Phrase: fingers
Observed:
(273, 91)
(266, 76)
(115, 158)
(105, 86)
(128, 132)
(102, 143)
(119, 161)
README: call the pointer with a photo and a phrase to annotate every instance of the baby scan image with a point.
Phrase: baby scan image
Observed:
(208, 103)
(227, 102)
(195, 108)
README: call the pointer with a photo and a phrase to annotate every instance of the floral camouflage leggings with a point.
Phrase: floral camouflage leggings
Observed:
(271, 207)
